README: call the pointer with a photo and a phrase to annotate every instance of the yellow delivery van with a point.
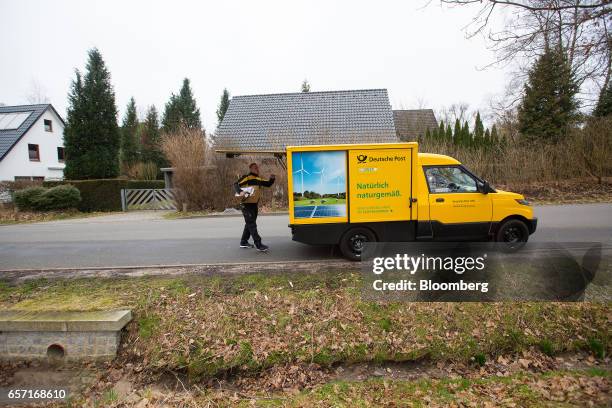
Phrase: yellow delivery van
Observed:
(348, 195)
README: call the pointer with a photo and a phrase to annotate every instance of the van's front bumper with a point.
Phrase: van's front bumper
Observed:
(532, 224)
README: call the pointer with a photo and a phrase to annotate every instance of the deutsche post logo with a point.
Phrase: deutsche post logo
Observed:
(362, 158)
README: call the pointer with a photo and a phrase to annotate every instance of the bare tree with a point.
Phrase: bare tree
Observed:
(461, 111)
(582, 29)
(37, 93)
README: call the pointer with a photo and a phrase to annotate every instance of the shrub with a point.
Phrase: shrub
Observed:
(187, 152)
(58, 198)
(26, 199)
(47, 199)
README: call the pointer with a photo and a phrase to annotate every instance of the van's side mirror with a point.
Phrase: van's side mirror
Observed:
(484, 187)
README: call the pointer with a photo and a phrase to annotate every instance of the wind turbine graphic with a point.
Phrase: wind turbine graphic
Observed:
(338, 185)
(302, 171)
(322, 173)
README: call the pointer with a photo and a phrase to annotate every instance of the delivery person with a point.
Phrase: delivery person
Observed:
(249, 188)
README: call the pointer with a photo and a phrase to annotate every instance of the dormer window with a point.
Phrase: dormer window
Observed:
(48, 125)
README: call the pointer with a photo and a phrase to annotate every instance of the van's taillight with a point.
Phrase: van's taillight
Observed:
(522, 201)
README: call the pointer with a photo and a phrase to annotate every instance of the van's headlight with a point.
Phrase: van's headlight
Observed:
(522, 201)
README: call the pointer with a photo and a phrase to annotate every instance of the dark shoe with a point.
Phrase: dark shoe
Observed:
(262, 248)
(246, 245)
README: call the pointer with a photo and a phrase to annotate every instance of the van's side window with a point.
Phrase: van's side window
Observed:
(449, 179)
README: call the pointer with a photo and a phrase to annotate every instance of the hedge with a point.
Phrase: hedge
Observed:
(104, 194)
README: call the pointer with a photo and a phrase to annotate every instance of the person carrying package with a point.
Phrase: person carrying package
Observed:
(248, 187)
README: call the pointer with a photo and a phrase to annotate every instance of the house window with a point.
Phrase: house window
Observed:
(34, 152)
(29, 178)
(60, 154)
(48, 125)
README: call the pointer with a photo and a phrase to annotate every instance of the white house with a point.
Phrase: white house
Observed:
(31, 143)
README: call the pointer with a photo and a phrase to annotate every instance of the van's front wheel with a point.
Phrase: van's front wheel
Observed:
(514, 233)
(353, 241)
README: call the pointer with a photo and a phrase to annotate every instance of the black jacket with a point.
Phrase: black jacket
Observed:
(252, 180)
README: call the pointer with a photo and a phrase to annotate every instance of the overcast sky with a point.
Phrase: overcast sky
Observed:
(419, 54)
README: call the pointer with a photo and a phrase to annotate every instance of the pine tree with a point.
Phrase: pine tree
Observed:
(487, 138)
(549, 107)
(457, 133)
(129, 134)
(604, 103)
(305, 86)
(181, 110)
(449, 133)
(466, 136)
(91, 135)
(150, 139)
(427, 134)
(478, 131)
(223, 105)
(441, 131)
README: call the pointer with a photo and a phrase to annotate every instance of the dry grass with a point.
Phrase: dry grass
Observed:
(585, 153)
(11, 216)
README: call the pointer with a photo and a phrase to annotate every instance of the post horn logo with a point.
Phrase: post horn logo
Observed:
(362, 158)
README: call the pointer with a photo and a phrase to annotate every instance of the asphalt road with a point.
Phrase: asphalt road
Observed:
(136, 239)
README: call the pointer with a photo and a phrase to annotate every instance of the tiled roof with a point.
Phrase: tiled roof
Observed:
(268, 123)
(412, 124)
(10, 137)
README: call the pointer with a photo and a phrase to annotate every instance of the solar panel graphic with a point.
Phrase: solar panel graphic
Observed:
(320, 211)
(319, 184)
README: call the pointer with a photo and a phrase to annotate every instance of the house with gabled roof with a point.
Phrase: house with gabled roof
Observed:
(269, 123)
(412, 124)
(31, 143)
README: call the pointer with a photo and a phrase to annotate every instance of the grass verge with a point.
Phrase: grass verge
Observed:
(23, 217)
(212, 327)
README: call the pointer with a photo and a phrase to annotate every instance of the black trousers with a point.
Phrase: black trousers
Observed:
(249, 211)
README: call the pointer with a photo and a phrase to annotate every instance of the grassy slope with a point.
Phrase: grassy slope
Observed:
(211, 326)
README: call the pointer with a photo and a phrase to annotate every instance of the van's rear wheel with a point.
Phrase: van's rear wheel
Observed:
(353, 241)
(514, 233)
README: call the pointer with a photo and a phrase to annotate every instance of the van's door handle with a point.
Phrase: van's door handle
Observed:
(439, 200)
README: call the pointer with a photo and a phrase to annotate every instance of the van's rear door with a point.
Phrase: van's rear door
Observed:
(380, 184)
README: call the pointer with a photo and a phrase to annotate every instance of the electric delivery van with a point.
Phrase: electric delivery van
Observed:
(348, 195)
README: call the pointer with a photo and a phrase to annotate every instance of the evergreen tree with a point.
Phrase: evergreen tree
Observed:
(150, 139)
(434, 133)
(305, 86)
(466, 136)
(91, 135)
(427, 134)
(478, 131)
(487, 138)
(441, 131)
(457, 133)
(604, 103)
(182, 110)
(223, 105)
(549, 106)
(449, 133)
(129, 134)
